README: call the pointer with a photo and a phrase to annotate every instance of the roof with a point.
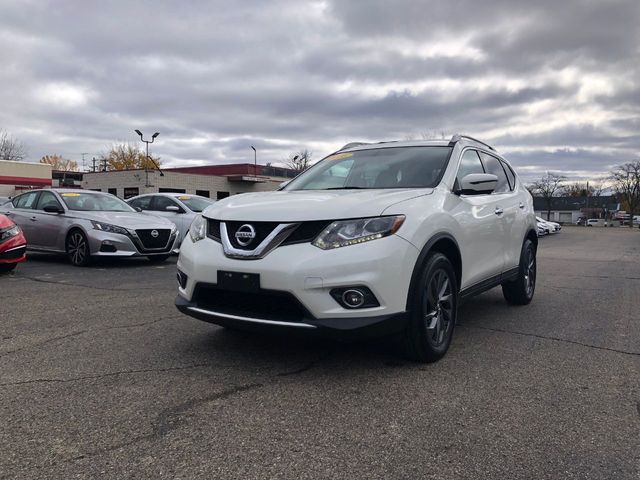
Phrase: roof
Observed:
(576, 203)
(355, 146)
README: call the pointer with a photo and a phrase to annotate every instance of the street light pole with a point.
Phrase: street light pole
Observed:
(153, 137)
(255, 161)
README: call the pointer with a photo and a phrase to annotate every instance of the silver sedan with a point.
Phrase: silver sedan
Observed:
(84, 224)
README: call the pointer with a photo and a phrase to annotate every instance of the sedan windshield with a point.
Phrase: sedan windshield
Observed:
(94, 202)
(195, 204)
(391, 167)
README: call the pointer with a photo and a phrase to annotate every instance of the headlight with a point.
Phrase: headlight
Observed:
(350, 232)
(10, 232)
(107, 227)
(198, 228)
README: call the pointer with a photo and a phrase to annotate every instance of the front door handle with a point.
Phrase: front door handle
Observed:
(33, 219)
(521, 205)
(499, 211)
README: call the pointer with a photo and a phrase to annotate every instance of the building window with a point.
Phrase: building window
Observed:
(131, 192)
(221, 195)
(96, 189)
(113, 191)
(203, 193)
(172, 190)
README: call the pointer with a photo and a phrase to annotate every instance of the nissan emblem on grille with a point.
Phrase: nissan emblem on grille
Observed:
(245, 234)
(154, 233)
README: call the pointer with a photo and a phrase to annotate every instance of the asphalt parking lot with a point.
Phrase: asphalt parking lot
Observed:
(101, 376)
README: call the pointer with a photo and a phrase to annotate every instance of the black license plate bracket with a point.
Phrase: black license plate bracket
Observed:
(238, 281)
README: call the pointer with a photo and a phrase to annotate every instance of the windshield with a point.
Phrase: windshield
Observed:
(94, 202)
(195, 204)
(394, 167)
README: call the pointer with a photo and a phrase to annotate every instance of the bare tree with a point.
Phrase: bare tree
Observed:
(626, 181)
(299, 161)
(58, 162)
(10, 148)
(579, 189)
(549, 186)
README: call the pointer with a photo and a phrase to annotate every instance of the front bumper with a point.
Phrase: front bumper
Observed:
(307, 274)
(13, 250)
(106, 244)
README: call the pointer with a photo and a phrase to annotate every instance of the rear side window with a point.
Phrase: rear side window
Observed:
(493, 166)
(28, 200)
(469, 163)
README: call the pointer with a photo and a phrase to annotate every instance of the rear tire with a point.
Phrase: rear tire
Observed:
(7, 267)
(434, 307)
(77, 246)
(158, 258)
(520, 291)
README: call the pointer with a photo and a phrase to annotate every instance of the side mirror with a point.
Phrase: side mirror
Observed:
(138, 209)
(477, 184)
(53, 209)
(173, 208)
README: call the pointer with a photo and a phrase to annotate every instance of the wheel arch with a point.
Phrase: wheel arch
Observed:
(533, 236)
(443, 243)
(78, 228)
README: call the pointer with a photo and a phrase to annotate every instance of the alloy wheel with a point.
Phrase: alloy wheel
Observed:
(77, 248)
(530, 272)
(438, 307)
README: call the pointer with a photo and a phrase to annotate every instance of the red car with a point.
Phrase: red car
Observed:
(13, 245)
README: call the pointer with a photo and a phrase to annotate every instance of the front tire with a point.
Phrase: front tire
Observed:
(78, 251)
(520, 291)
(7, 267)
(434, 309)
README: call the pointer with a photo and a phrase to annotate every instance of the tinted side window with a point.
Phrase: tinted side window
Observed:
(28, 200)
(510, 175)
(160, 204)
(493, 166)
(47, 199)
(469, 163)
(143, 202)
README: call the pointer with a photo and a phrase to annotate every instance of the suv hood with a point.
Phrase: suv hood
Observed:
(131, 220)
(305, 205)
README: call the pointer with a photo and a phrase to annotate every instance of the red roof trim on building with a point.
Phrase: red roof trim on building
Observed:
(31, 181)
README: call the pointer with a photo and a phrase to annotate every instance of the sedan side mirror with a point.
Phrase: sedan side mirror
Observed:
(138, 209)
(174, 208)
(477, 184)
(53, 209)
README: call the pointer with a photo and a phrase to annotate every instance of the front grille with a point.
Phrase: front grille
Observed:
(264, 304)
(306, 232)
(262, 229)
(149, 241)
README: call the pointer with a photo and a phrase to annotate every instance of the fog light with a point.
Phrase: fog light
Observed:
(354, 297)
(182, 279)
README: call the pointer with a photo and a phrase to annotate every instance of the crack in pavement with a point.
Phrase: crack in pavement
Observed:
(105, 375)
(93, 287)
(557, 339)
(114, 327)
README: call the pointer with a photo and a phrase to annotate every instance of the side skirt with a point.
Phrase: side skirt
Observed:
(489, 283)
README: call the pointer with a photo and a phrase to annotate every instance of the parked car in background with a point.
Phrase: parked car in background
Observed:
(83, 224)
(180, 208)
(542, 231)
(557, 227)
(594, 221)
(544, 225)
(378, 239)
(13, 245)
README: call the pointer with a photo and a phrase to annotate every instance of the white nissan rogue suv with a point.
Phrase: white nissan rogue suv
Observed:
(382, 238)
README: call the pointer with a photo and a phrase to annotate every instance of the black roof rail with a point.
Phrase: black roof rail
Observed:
(457, 137)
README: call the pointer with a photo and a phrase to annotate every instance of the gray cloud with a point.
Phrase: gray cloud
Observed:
(553, 86)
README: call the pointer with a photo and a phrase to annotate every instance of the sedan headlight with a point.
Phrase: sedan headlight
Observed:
(198, 228)
(350, 232)
(9, 232)
(107, 227)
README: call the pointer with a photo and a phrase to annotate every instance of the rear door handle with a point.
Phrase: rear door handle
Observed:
(521, 205)
(499, 211)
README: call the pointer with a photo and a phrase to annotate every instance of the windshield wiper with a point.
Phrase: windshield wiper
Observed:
(346, 188)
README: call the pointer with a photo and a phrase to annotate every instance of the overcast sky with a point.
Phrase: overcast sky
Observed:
(553, 85)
